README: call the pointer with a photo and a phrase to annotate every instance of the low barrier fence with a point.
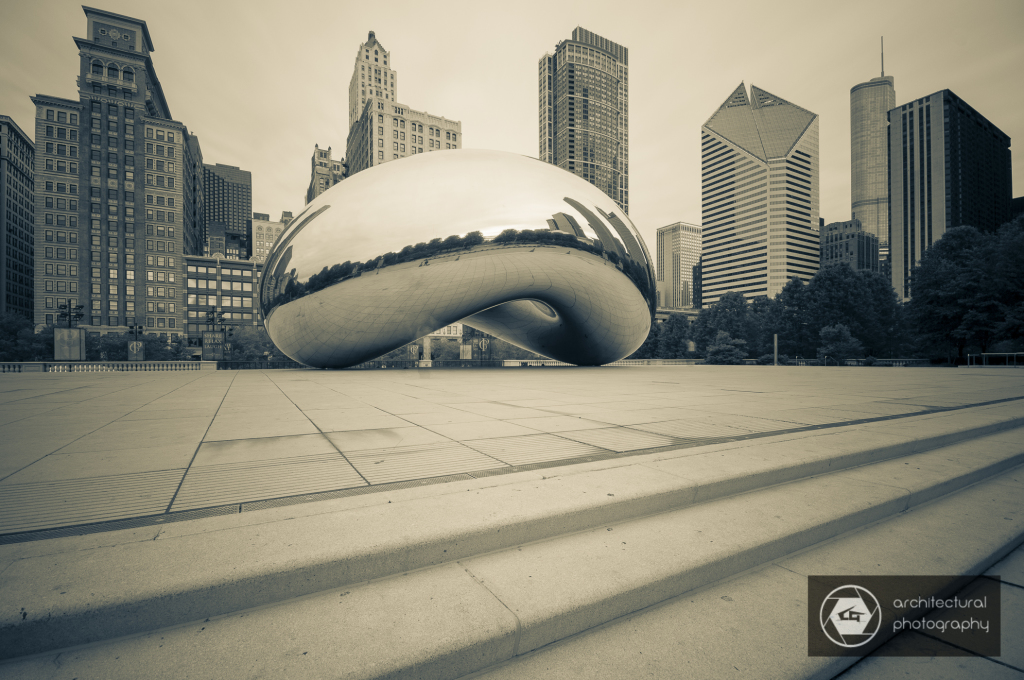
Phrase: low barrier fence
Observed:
(260, 365)
(1010, 359)
(101, 366)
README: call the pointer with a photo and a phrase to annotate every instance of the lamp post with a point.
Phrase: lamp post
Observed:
(69, 314)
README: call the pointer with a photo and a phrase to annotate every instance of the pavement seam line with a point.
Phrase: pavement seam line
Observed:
(1007, 425)
(174, 496)
(87, 433)
(519, 624)
(322, 433)
(973, 654)
(1002, 582)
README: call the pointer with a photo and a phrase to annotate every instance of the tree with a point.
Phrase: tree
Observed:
(673, 337)
(838, 344)
(940, 299)
(251, 343)
(729, 314)
(649, 350)
(1008, 274)
(11, 325)
(725, 350)
(33, 346)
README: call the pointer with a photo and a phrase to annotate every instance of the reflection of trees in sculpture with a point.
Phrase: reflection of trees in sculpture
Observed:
(295, 289)
(329, 276)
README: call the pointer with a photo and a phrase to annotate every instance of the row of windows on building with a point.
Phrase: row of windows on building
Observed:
(96, 106)
(161, 150)
(62, 116)
(417, 127)
(211, 284)
(113, 72)
(219, 300)
(126, 94)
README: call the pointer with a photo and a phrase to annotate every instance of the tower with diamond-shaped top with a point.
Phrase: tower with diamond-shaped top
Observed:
(759, 195)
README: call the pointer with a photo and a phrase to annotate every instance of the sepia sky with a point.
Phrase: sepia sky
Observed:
(261, 81)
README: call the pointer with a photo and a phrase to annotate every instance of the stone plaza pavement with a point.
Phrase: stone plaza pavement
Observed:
(501, 523)
(127, 449)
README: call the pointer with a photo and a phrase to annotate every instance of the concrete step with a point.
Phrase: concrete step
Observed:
(119, 583)
(459, 617)
(754, 625)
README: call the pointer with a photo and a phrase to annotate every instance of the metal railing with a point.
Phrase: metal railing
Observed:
(97, 366)
(258, 365)
(1009, 359)
(119, 366)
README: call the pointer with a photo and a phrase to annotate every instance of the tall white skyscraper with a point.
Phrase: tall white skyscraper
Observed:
(759, 163)
(678, 252)
(870, 103)
(584, 111)
(380, 128)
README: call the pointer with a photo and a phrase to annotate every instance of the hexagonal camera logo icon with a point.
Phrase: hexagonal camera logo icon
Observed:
(850, 616)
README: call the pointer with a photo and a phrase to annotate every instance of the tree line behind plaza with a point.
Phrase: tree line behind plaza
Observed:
(20, 342)
(967, 296)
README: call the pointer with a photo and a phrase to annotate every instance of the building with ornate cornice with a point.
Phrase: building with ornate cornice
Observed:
(380, 128)
(265, 233)
(759, 196)
(17, 206)
(325, 172)
(584, 111)
(118, 203)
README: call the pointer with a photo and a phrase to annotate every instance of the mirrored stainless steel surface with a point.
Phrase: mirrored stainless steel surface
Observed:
(503, 243)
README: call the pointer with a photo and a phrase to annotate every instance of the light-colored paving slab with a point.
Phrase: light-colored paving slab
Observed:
(61, 428)
(384, 438)
(267, 448)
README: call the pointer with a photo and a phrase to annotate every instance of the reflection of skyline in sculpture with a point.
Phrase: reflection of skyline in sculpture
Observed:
(599, 301)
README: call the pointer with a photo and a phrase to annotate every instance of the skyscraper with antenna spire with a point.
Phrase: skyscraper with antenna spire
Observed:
(869, 197)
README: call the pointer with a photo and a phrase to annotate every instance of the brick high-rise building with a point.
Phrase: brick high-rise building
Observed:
(948, 167)
(584, 111)
(380, 128)
(17, 193)
(759, 163)
(114, 238)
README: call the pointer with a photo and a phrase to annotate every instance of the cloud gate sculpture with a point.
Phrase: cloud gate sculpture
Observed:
(503, 243)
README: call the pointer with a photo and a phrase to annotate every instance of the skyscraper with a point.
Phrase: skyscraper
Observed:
(870, 103)
(90, 248)
(584, 111)
(17, 193)
(678, 252)
(759, 195)
(227, 191)
(850, 244)
(948, 167)
(380, 128)
(325, 172)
